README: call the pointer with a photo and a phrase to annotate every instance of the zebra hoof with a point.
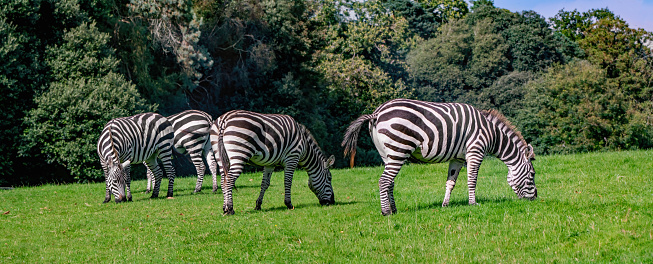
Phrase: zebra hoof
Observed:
(229, 212)
(196, 191)
(386, 213)
(445, 204)
(257, 208)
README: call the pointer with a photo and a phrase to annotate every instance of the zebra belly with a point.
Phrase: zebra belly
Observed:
(444, 157)
(138, 159)
(181, 150)
(417, 154)
(257, 159)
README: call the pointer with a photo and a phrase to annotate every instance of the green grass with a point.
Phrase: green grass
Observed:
(591, 207)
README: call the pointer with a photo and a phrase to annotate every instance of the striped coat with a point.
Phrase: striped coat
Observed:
(240, 136)
(136, 139)
(443, 132)
(191, 130)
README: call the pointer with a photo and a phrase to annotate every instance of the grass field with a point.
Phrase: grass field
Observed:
(595, 207)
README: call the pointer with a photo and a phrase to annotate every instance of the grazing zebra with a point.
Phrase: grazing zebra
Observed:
(135, 139)
(191, 130)
(439, 132)
(268, 140)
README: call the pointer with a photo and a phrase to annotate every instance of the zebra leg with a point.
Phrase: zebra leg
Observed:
(150, 179)
(291, 165)
(170, 172)
(213, 165)
(200, 168)
(474, 159)
(156, 171)
(386, 186)
(391, 197)
(454, 170)
(107, 196)
(234, 172)
(265, 183)
(128, 182)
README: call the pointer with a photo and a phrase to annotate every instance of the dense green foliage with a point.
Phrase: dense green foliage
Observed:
(581, 82)
(592, 207)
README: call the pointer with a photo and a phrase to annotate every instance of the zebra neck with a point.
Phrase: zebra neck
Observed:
(312, 160)
(507, 147)
(115, 156)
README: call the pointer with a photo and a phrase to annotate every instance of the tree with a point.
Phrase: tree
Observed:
(438, 66)
(17, 66)
(176, 28)
(26, 28)
(85, 94)
(611, 44)
(425, 17)
(361, 66)
(576, 108)
(573, 24)
(467, 56)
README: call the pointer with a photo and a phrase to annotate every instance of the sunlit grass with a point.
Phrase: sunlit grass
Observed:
(591, 207)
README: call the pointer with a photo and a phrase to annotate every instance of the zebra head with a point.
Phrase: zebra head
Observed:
(320, 181)
(116, 178)
(521, 177)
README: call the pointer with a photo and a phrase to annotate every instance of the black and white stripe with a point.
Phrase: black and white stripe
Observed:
(136, 139)
(191, 129)
(440, 132)
(268, 140)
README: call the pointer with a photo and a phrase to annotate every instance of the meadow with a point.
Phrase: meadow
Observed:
(595, 207)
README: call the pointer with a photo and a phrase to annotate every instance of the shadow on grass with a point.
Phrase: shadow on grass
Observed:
(191, 190)
(308, 205)
(457, 203)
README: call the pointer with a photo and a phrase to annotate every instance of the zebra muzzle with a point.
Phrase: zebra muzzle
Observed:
(328, 202)
(120, 199)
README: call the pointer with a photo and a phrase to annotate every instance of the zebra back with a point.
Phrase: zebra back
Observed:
(191, 128)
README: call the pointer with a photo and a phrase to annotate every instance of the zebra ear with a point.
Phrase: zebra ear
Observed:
(329, 162)
(530, 153)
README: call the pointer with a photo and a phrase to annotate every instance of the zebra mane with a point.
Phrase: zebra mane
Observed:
(495, 116)
(312, 140)
(113, 146)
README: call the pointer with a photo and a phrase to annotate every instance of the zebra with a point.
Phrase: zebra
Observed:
(136, 139)
(191, 131)
(268, 140)
(440, 132)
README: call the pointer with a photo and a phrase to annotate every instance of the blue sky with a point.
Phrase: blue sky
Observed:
(637, 13)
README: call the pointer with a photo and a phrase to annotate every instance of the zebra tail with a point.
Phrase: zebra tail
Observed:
(224, 158)
(350, 140)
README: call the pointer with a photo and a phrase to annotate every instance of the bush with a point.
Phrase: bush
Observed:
(68, 118)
